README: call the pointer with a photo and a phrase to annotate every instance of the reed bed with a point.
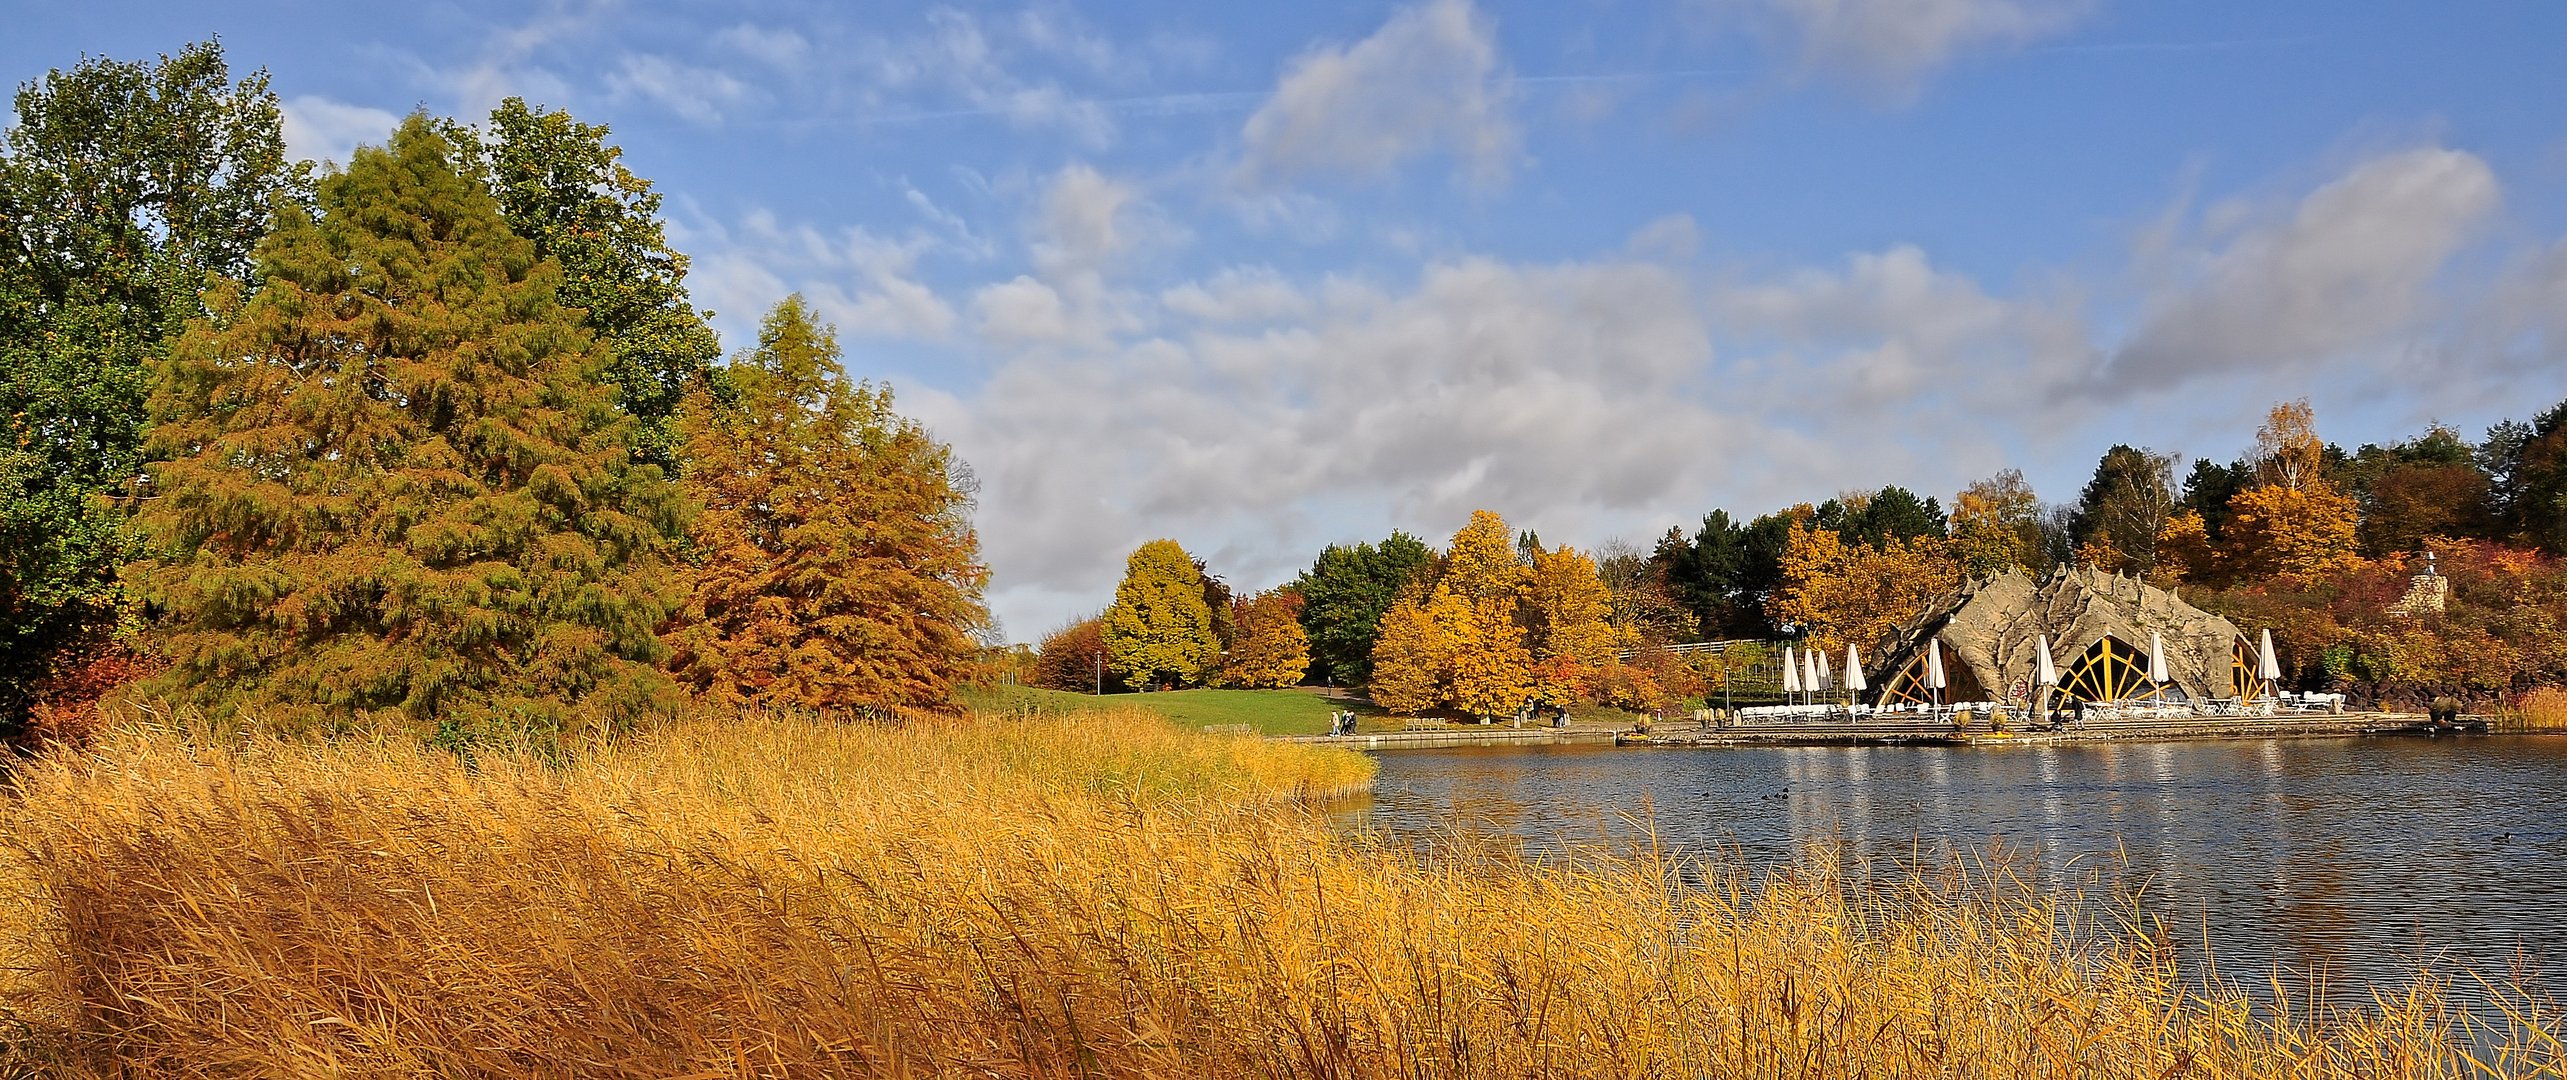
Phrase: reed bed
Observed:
(1042, 897)
(2544, 709)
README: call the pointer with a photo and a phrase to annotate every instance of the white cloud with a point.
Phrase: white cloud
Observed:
(1024, 311)
(776, 47)
(1080, 218)
(697, 94)
(1892, 332)
(323, 129)
(957, 55)
(1429, 79)
(2349, 268)
(1893, 45)
(865, 283)
(505, 65)
(1238, 294)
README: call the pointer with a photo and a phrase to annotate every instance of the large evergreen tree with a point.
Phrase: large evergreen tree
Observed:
(2536, 482)
(837, 570)
(1344, 594)
(562, 185)
(392, 487)
(124, 187)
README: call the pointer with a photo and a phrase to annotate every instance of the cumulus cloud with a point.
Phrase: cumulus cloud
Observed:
(866, 283)
(1429, 79)
(1082, 218)
(2350, 267)
(324, 129)
(1892, 332)
(1251, 413)
(1892, 46)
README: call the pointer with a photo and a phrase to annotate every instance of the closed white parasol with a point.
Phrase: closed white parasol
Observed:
(1791, 671)
(2157, 659)
(2045, 673)
(1854, 670)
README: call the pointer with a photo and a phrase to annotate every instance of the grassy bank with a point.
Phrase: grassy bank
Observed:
(1299, 711)
(1095, 896)
(1267, 712)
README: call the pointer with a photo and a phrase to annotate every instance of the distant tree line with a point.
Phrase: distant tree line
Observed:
(2296, 534)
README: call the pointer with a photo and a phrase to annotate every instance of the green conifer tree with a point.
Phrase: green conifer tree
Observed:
(392, 487)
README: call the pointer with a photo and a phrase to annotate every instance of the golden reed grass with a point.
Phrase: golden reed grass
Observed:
(1036, 898)
(2544, 709)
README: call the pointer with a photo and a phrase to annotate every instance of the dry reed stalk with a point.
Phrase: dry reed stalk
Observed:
(2544, 709)
(1037, 898)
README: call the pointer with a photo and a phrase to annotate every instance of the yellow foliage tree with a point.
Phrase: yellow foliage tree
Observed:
(2305, 531)
(1571, 608)
(1481, 564)
(2184, 550)
(1410, 658)
(1492, 671)
(2294, 521)
(2288, 452)
(1996, 524)
(1159, 631)
(1570, 612)
(1838, 593)
(1268, 648)
(1464, 645)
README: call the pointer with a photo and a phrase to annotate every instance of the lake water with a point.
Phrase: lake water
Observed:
(2353, 857)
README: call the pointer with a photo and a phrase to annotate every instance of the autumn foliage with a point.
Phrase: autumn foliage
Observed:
(1841, 593)
(836, 569)
(1268, 649)
(1160, 633)
(1502, 625)
(1073, 658)
(393, 489)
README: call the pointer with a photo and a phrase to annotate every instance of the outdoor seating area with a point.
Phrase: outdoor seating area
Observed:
(1835, 712)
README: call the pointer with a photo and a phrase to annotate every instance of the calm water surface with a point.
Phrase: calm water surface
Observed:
(2354, 857)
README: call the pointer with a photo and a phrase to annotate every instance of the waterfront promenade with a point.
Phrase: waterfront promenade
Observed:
(1684, 733)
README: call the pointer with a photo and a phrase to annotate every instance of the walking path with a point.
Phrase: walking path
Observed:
(1678, 733)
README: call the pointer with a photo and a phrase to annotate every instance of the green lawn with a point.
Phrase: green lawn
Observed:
(1299, 711)
(1271, 712)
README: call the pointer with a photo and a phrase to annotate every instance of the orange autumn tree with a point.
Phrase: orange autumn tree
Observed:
(392, 487)
(1839, 593)
(837, 567)
(1268, 648)
(1572, 635)
(1461, 643)
(2293, 521)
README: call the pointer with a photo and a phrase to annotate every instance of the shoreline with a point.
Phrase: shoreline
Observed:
(2313, 726)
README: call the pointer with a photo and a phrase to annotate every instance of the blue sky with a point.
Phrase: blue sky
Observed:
(1262, 277)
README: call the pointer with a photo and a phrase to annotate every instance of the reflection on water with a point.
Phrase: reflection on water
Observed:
(2355, 857)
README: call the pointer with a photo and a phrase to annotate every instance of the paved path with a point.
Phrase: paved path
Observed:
(2313, 725)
